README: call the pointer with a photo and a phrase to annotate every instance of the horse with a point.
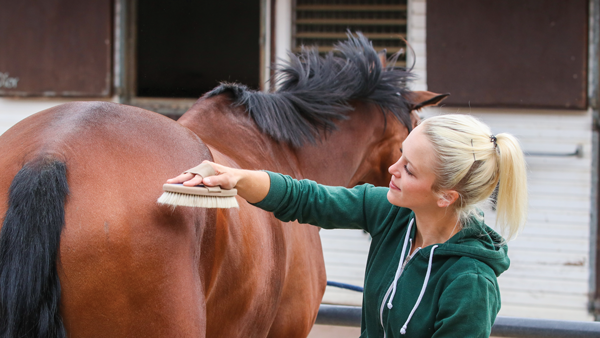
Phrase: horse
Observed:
(86, 251)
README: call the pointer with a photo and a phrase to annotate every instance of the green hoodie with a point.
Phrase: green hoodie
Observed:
(444, 290)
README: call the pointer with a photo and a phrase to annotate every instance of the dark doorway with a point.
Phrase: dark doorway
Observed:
(185, 48)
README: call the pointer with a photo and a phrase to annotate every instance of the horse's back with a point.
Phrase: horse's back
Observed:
(127, 266)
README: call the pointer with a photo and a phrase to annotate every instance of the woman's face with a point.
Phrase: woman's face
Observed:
(412, 175)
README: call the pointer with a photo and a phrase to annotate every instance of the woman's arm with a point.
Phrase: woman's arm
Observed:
(251, 185)
(306, 201)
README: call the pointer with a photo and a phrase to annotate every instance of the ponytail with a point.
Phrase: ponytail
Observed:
(511, 202)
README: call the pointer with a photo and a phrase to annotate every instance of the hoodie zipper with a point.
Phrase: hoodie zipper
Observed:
(411, 256)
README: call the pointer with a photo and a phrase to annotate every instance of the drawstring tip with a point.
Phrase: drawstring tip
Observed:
(403, 330)
(389, 305)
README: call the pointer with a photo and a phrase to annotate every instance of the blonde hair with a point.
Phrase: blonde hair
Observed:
(472, 161)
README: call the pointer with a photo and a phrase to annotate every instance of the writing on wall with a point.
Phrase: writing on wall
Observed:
(8, 82)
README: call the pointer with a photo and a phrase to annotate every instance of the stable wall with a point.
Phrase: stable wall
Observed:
(550, 268)
(14, 110)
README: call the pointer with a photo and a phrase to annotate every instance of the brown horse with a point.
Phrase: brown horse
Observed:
(85, 248)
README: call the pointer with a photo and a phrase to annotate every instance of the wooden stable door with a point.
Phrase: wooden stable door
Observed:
(514, 53)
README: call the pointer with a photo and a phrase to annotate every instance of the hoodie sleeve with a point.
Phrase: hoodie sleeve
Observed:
(325, 206)
(467, 307)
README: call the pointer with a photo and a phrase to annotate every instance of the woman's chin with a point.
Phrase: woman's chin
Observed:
(393, 199)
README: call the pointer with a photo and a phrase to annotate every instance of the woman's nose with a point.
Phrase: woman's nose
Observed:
(394, 169)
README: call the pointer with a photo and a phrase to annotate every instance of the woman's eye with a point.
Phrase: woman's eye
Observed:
(407, 171)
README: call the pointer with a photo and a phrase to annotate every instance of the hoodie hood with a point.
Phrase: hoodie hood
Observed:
(478, 241)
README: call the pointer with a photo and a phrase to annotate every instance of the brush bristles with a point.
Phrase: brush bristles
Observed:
(185, 200)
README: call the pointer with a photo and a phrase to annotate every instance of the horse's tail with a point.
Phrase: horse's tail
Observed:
(29, 248)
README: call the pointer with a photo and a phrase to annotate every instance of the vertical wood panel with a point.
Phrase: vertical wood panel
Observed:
(55, 48)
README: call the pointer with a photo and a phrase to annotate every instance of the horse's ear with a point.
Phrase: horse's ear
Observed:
(382, 57)
(422, 98)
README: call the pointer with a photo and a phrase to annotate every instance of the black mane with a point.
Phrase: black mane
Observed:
(315, 91)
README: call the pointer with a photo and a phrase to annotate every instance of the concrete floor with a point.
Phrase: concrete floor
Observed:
(325, 331)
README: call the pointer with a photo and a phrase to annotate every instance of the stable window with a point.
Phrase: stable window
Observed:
(175, 51)
(185, 48)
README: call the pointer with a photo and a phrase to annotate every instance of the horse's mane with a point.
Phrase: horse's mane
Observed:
(314, 91)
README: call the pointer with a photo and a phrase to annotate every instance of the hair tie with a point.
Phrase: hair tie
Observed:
(493, 140)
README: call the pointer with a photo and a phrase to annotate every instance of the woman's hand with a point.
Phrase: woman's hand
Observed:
(251, 185)
(225, 177)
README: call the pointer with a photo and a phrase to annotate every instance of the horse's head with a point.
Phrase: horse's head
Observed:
(386, 151)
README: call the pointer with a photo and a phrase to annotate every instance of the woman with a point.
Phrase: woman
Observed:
(433, 263)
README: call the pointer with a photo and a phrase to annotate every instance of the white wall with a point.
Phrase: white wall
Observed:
(283, 28)
(13, 110)
(550, 262)
(417, 39)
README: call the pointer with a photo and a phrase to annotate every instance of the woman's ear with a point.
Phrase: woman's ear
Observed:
(446, 198)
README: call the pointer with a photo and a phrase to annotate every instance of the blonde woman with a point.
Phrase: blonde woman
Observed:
(433, 263)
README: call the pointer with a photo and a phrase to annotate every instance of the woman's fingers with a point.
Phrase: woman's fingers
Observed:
(181, 178)
(224, 180)
(224, 177)
(196, 180)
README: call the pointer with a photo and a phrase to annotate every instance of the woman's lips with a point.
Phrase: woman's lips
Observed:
(393, 186)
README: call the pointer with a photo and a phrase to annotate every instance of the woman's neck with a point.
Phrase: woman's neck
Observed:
(435, 227)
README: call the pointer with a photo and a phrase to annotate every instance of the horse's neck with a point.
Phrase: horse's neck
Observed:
(231, 132)
(343, 156)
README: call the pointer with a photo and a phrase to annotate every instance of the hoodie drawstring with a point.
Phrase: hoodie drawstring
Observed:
(400, 266)
(392, 287)
(403, 329)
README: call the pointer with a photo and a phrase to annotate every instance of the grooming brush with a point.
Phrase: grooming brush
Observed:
(198, 196)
